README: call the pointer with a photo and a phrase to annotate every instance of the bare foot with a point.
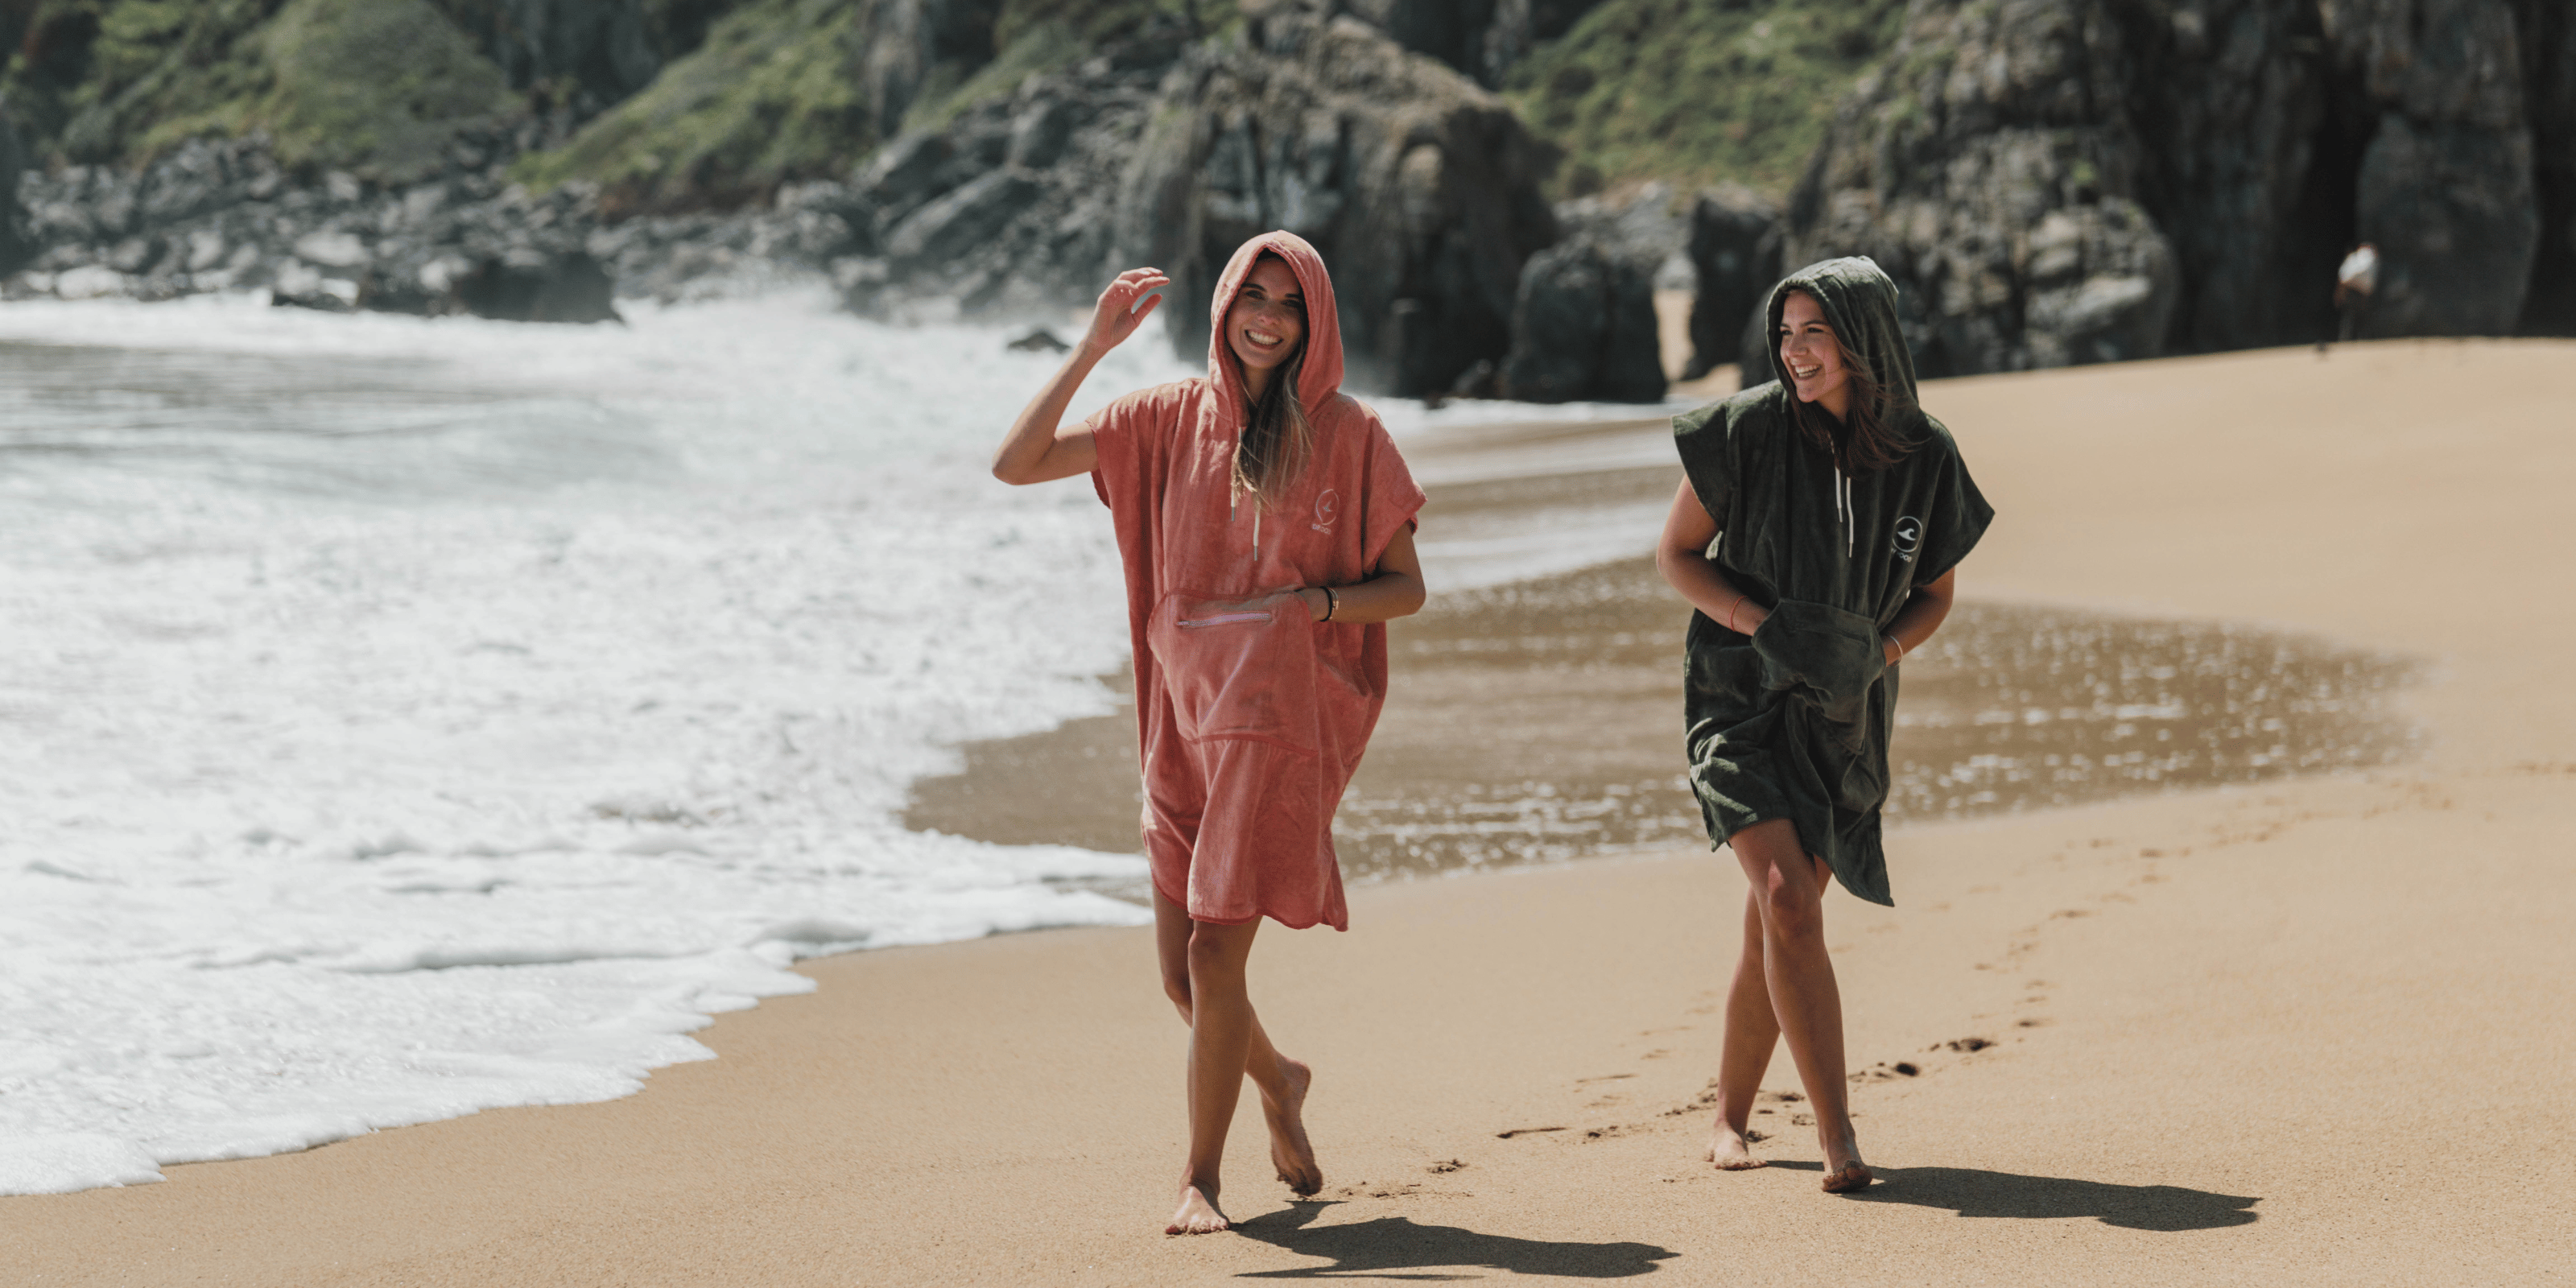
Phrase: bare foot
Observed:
(1844, 1172)
(1290, 1151)
(1198, 1214)
(1729, 1149)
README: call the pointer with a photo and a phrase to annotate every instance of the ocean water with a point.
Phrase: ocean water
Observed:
(401, 718)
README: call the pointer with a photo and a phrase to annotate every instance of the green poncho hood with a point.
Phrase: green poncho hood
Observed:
(1859, 300)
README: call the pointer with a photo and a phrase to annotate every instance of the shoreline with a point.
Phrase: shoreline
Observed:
(2234, 993)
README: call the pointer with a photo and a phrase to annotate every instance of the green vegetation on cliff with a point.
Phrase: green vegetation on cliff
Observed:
(1685, 90)
(798, 89)
(776, 92)
(1693, 91)
(375, 86)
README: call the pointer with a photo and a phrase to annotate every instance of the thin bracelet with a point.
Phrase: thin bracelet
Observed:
(1730, 613)
(1900, 646)
(1332, 602)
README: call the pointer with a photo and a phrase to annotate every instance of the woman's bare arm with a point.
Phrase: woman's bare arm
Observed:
(1682, 556)
(1040, 446)
(1921, 615)
(1395, 590)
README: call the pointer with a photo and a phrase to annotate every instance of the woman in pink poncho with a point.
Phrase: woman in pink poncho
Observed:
(1267, 526)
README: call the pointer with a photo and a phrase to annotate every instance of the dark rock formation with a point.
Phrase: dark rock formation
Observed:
(1735, 252)
(2057, 181)
(1419, 188)
(218, 216)
(15, 247)
(1583, 327)
(945, 229)
(2445, 186)
(534, 286)
(1009, 206)
(1984, 171)
(2547, 31)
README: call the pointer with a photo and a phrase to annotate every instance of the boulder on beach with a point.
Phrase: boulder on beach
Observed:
(1584, 327)
(538, 287)
(1735, 252)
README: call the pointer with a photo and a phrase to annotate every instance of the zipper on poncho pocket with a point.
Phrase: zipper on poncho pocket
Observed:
(1223, 619)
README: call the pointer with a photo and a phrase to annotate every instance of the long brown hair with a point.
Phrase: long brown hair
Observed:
(1277, 439)
(1872, 435)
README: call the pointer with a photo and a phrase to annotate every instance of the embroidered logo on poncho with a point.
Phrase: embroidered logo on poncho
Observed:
(1909, 537)
(1326, 508)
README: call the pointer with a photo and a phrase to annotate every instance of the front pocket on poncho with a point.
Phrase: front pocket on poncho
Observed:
(1822, 654)
(1233, 670)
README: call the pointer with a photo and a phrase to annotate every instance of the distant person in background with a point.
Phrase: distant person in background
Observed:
(2355, 279)
(1266, 521)
(1839, 513)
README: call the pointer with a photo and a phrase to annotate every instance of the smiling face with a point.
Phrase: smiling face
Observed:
(1811, 354)
(1267, 320)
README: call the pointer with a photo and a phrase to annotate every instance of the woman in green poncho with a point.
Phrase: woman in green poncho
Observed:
(1818, 534)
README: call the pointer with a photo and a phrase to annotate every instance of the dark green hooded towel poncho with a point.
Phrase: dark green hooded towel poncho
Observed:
(1793, 721)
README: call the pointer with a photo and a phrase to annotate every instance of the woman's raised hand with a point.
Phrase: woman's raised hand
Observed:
(1116, 317)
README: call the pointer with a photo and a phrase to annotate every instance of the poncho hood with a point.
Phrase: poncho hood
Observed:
(1859, 300)
(1321, 376)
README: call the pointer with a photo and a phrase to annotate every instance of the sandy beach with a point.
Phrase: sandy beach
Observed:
(2255, 1026)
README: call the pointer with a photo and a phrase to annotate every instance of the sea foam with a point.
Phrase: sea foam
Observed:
(403, 718)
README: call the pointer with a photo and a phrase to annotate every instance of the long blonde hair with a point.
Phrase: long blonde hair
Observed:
(1277, 439)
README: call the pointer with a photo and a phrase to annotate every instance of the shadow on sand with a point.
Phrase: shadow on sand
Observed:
(1390, 1247)
(1975, 1192)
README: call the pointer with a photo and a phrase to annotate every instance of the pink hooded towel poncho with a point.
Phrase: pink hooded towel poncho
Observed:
(1250, 723)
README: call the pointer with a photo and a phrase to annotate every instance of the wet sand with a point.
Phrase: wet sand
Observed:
(1541, 721)
(2305, 1030)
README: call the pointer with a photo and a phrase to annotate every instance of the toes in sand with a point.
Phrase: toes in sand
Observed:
(1290, 1151)
(1732, 1150)
(1198, 1214)
(1854, 1175)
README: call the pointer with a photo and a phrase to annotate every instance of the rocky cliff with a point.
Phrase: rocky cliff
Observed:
(1420, 189)
(2057, 181)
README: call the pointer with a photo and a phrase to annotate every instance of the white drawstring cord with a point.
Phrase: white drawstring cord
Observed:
(1234, 494)
(1845, 509)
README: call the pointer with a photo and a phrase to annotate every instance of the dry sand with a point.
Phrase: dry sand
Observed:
(2314, 1030)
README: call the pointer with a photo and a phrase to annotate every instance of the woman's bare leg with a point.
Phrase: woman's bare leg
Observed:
(1752, 1030)
(1788, 889)
(1281, 1080)
(1220, 1041)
